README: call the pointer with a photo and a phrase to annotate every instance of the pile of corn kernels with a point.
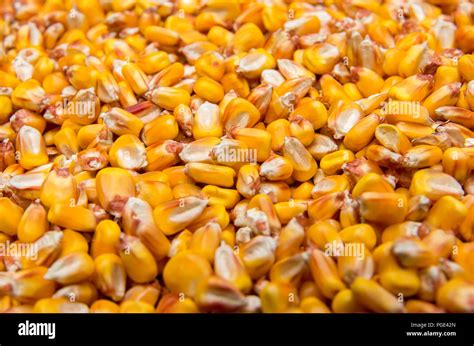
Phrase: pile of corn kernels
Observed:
(236, 156)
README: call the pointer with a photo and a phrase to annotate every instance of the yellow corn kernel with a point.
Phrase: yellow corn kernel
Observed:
(355, 264)
(29, 285)
(321, 58)
(145, 228)
(397, 279)
(9, 225)
(371, 182)
(29, 95)
(50, 305)
(422, 156)
(457, 213)
(258, 255)
(446, 75)
(333, 162)
(33, 223)
(31, 148)
(211, 174)
(332, 89)
(186, 281)
(240, 113)
(322, 233)
(230, 267)
(138, 261)
(413, 131)
(343, 115)
(215, 213)
(164, 155)
(276, 168)
(392, 138)
(173, 216)
(184, 190)
(126, 96)
(248, 36)
(106, 239)
(121, 122)
(303, 191)
(114, 187)
(446, 95)
(8, 80)
(162, 128)
(330, 184)
(172, 303)
(456, 163)
(254, 63)
(136, 78)
(209, 89)
(383, 207)
(66, 142)
(85, 293)
(232, 81)
(73, 242)
(147, 293)
(289, 270)
(128, 152)
(362, 133)
(321, 146)
(214, 294)
(6, 108)
(304, 165)
(153, 62)
(414, 59)
(345, 302)
(104, 306)
(54, 83)
(410, 253)
(248, 180)
(392, 59)
(170, 97)
(135, 307)
(82, 77)
(205, 241)
(211, 64)
(374, 297)
(73, 217)
(324, 272)
(59, 186)
(72, 268)
(465, 64)
(360, 233)
(219, 196)
(352, 91)
(288, 210)
(440, 242)
(382, 156)
(154, 192)
(220, 36)
(325, 207)
(207, 122)
(161, 35)
(228, 235)
(180, 243)
(110, 277)
(366, 80)
(414, 88)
